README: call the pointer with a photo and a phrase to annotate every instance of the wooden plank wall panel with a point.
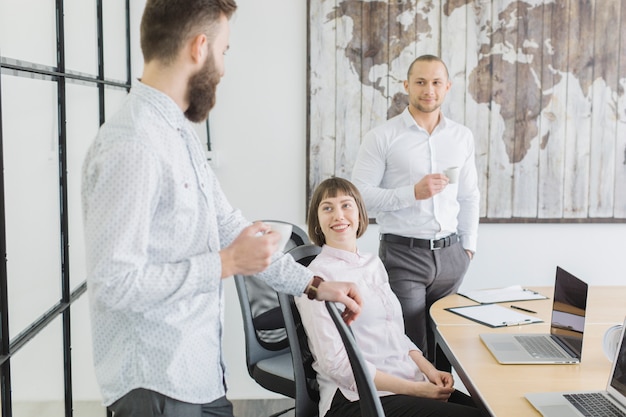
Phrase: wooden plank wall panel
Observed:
(578, 124)
(553, 136)
(477, 114)
(403, 35)
(348, 64)
(619, 184)
(429, 27)
(322, 93)
(604, 111)
(375, 56)
(500, 186)
(453, 52)
(540, 84)
(527, 110)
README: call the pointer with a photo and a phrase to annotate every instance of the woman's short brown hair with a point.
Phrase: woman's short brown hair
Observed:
(333, 187)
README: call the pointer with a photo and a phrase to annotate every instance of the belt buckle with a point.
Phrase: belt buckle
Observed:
(432, 244)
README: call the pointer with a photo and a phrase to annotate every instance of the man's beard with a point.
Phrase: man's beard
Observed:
(201, 89)
(425, 109)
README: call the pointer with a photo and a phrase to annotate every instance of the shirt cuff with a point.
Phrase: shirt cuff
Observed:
(469, 243)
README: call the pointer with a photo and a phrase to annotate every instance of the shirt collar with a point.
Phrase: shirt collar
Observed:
(163, 103)
(410, 121)
(341, 254)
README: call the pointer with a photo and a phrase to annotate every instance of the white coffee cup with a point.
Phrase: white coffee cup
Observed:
(453, 174)
(284, 229)
(611, 340)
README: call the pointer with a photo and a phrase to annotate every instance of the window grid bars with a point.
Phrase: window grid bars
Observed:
(7, 347)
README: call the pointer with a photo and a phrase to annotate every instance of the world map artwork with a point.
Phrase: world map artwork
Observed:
(541, 83)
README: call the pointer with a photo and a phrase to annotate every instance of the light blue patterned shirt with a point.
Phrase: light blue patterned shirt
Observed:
(155, 220)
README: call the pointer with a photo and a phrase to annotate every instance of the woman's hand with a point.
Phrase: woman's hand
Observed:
(441, 378)
(434, 375)
(427, 389)
(439, 389)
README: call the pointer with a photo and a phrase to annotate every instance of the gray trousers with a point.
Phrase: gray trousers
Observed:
(145, 403)
(419, 277)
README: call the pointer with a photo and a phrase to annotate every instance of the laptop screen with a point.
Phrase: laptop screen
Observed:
(568, 311)
(618, 379)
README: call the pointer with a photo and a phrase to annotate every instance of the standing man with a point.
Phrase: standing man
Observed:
(428, 223)
(160, 234)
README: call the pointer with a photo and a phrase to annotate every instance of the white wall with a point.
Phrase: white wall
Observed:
(259, 135)
(258, 131)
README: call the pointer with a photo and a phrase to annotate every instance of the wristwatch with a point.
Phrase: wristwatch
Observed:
(311, 290)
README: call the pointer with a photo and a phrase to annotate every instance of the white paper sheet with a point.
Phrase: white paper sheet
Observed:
(494, 315)
(501, 295)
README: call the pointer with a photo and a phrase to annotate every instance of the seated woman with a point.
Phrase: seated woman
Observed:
(408, 384)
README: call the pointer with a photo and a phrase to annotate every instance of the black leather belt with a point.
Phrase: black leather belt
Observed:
(432, 244)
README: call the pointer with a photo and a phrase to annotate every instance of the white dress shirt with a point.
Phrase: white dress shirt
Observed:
(398, 154)
(379, 329)
(155, 220)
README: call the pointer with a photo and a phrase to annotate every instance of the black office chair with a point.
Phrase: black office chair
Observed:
(368, 397)
(268, 357)
(307, 388)
(267, 317)
(305, 254)
(268, 363)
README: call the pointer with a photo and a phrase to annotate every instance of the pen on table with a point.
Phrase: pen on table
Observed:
(515, 323)
(524, 309)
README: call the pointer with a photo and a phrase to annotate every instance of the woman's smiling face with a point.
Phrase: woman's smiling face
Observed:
(339, 220)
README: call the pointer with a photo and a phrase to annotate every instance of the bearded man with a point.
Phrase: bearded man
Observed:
(160, 234)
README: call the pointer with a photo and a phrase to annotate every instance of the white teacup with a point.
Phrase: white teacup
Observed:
(611, 340)
(453, 174)
(284, 229)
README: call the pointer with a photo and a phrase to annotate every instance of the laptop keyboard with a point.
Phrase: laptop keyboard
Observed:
(594, 404)
(540, 347)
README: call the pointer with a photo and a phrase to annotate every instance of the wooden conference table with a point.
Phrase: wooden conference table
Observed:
(499, 389)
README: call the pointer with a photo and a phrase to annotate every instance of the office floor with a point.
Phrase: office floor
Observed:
(56, 409)
(241, 408)
(261, 408)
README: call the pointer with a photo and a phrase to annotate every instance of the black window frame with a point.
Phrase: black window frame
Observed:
(59, 75)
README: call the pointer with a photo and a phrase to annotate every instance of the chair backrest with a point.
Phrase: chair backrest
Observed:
(263, 323)
(368, 397)
(307, 388)
(267, 320)
(255, 351)
(305, 254)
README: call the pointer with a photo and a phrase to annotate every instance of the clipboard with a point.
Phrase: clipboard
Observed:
(493, 315)
(501, 295)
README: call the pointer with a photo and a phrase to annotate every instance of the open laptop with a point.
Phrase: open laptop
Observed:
(562, 404)
(564, 343)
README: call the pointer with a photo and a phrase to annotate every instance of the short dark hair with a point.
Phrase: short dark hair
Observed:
(427, 58)
(333, 187)
(167, 24)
